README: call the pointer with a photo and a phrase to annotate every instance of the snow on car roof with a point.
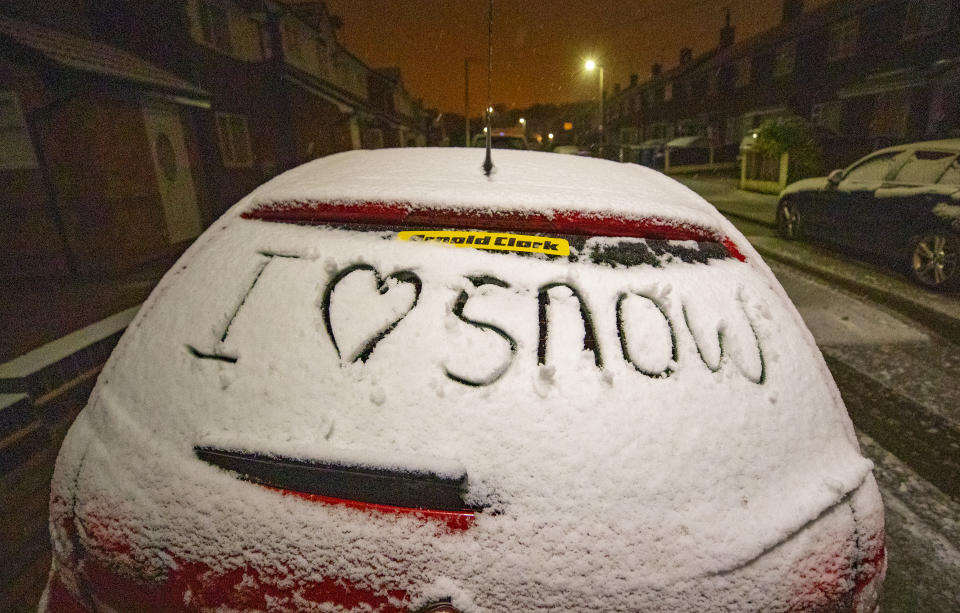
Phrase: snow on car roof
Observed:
(521, 181)
(950, 144)
(709, 431)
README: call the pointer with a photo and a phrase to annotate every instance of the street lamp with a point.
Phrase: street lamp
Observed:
(466, 97)
(590, 65)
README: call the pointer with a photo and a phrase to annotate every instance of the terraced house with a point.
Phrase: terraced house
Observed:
(905, 55)
(138, 124)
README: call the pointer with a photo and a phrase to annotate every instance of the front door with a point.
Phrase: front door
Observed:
(172, 165)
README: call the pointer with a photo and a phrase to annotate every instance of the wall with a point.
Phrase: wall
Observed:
(30, 242)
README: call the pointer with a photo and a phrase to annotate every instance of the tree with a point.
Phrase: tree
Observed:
(794, 136)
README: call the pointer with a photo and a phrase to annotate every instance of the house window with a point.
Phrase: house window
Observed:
(668, 92)
(234, 140)
(890, 115)
(16, 147)
(926, 17)
(843, 39)
(785, 60)
(827, 115)
(322, 56)
(291, 41)
(215, 26)
(743, 72)
(373, 139)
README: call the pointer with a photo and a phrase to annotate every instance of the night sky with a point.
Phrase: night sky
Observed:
(539, 45)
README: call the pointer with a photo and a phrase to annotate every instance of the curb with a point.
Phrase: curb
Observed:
(920, 437)
(944, 324)
(763, 221)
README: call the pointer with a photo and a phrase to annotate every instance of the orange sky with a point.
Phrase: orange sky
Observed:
(539, 45)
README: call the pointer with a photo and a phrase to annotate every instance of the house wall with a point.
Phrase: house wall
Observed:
(321, 128)
(716, 97)
(30, 242)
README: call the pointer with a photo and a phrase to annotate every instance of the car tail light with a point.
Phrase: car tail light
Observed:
(574, 223)
(870, 576)
(378, 489)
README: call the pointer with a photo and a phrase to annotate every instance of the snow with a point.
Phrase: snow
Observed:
(9, 400)
(922, 170)
(804, 185)
(947, 211)
(522, 181)
(654, 482)
(52, 352)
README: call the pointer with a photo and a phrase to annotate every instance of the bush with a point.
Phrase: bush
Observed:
(794, 136)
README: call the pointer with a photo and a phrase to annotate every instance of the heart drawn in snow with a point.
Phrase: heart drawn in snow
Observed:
(363, 315)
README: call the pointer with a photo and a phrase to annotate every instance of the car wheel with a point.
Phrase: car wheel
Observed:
(935, 260)
(788, 220)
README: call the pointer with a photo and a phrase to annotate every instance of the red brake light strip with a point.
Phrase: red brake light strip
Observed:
(561, 222)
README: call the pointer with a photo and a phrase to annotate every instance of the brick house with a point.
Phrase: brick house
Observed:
(867, 72)
(234, 92)
(99, 155)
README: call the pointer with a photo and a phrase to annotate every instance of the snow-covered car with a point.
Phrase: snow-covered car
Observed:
(502, 138)
(569, 150)
(384, 381)
(901, 203)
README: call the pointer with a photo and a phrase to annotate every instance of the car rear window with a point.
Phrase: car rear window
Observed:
(952, 175)
(873, 169)
(924, 167)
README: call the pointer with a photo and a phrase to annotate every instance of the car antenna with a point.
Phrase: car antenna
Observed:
(488, 162)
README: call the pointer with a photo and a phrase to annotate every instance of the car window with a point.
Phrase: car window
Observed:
(952, 175)
(924, 167)
(501, 142)
(872, 169)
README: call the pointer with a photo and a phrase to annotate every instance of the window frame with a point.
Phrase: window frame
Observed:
(788, 48)
(235, 146)
(894, 168)
(843, 39)
(214, 22)
(930, 20)
(913, 155)
(744, 70)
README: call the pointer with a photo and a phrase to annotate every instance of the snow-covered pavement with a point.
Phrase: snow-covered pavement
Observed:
(923, 537)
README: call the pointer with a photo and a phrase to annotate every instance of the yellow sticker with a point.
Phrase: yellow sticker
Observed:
(498, 241)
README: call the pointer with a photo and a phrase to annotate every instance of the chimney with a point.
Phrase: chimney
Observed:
(792, 9)
(655, 70)
(686, 56)
(726, 33)
(634, 79)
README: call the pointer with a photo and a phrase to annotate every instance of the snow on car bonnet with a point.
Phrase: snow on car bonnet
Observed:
(661, 392)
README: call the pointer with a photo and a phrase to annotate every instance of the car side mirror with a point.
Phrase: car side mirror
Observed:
(835, 176)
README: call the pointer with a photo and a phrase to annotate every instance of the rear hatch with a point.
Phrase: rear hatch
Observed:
(600, 386)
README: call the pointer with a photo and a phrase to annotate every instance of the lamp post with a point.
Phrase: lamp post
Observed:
(466, 98)
(590, 65)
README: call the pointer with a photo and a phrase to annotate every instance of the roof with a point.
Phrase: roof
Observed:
(541, 182)
(807, 22)
(947, 143)
(77, 53)
(686, 141)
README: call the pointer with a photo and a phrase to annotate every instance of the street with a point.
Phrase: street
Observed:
(900, 382)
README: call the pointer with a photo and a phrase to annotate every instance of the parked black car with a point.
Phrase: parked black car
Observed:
(901, 203)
